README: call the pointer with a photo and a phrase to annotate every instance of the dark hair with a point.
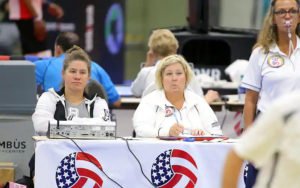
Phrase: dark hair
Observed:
(67, 40)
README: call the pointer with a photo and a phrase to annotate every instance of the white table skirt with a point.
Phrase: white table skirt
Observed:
(59, 163)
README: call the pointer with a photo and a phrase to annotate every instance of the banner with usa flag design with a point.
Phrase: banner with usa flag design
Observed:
(59, 163)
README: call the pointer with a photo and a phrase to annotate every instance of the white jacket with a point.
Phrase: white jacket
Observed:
(46, 107)
(151, 115)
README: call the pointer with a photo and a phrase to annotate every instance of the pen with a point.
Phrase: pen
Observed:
(189, 139)
(175, 117)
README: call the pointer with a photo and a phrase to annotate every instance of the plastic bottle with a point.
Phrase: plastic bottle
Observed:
(241, 91)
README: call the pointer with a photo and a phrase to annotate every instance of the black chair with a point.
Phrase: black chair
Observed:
(94, 87)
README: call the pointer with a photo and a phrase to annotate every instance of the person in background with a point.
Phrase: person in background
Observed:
(28, 16)
(272, 144)
(48, 71)
(9, 34)
(162, 43)
(173, 109)
(71, 102)
(273, 69)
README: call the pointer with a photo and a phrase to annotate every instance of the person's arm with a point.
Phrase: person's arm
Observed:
(232, 168)
(40, 70)
(117, 104)
(211, 96)
(54, 9)
(150, 59)
(145, 120)
(250, 107)
(144, 125)
(252, 81)
(44, 112)
(138, 86)
(207, 117)
(101, 110)
(29, 5)
(176, 130)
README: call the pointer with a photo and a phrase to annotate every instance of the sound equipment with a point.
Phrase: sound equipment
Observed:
(82, 130)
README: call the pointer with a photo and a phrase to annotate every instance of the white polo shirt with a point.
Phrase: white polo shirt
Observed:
(144, 83)
(273, 74)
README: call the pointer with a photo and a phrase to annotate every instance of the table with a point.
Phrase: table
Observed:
(232, 105)
(197, 163)
(129, 102)
(133, 102)
(236, 106)
(224, 88)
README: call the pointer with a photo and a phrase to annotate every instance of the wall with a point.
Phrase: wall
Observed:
(145, 15)
(236, 14)
(142, 16)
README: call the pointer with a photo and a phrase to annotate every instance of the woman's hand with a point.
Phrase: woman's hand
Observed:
(55, 10)
(176, 129)
(197, 132)
(211, 96)
(150, 59)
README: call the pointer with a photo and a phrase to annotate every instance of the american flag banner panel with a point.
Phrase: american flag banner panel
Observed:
(59, 163)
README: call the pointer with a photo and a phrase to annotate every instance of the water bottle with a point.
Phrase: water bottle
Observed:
(241, 91)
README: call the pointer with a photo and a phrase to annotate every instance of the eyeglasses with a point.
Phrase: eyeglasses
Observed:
(282, 12)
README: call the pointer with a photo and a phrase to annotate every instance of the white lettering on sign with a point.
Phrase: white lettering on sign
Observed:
(215, 73)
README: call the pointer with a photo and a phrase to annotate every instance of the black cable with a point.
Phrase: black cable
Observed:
(141, 168)
(91, 160)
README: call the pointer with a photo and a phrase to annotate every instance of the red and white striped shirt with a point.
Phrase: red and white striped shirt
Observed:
(19, 11)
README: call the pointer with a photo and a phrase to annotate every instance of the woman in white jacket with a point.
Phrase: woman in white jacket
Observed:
(71, 103)
(173, 109)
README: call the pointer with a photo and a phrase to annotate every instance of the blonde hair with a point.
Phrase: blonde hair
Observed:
(163, 42)
(170, 60)
(269, 34)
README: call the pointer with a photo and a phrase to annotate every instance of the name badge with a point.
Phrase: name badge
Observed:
(275, 61)
(169, 110)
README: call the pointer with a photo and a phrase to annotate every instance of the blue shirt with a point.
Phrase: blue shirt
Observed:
(48, 73)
